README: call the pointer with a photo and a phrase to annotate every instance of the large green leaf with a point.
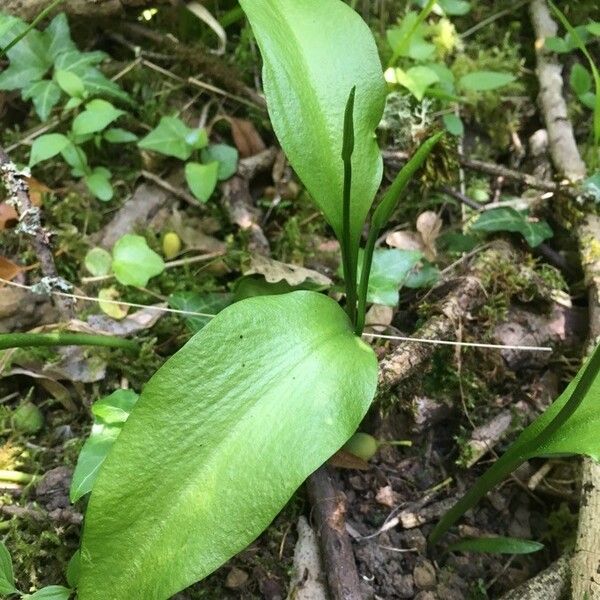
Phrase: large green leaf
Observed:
(314, 52)
(220, 439)
(506, 218)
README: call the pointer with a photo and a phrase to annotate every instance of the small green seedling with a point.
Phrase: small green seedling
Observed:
(172, 137)
(365, 446)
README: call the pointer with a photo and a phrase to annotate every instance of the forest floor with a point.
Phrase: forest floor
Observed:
(456, 408)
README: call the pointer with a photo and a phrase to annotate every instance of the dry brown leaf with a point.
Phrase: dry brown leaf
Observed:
(405, 240)
(429, 226)
(379, 314)
(8, 216)
(345, 460)
(37, 190)
(8, 269)
(274, 271)
(245, 137)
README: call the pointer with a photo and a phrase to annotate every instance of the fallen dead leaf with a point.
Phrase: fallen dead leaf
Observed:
(116, 311)
(274, 271)
(8, 269)
(429, 226)
(346, 460)
(405, 240)
(379, 315)
(245, 137)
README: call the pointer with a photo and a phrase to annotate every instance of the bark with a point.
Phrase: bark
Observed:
(550, 584)
(29, 9)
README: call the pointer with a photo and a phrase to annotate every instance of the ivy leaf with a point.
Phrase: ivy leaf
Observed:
(509, 219)
(58, 36)
(78, 62)
(202, 179)
(165, 494)
(7, 578)
(98, 262)
(70, 83)
(173, 137)
(225, 155)
(204, 303)
(45, 95)
(96, 116)
(47, 146)
(496, 545)
(134, 262)
(116, 135)
(110, 414)
(307, 45)
(482, 81)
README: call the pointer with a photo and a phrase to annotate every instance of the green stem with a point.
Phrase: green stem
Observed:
(349, 257)
(510, 461)
(58, 338)
(16, 477)
(365, 273)
(54, 4)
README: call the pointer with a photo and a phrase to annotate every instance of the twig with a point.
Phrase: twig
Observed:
(165, 185)
(550, 584)
(329, 511)
(17, 189)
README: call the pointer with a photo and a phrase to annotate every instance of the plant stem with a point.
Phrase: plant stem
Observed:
(16, 476)
(349, 256)
(364, 278)
(58, 338)
(54, 4)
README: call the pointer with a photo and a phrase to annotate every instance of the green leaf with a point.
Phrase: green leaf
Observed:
(70, 83)
(97, 84)
(29, 58)
(225, 155)
(416, 79)
(76, 158)
(508, 219)
(96, 116)
(591, 186)
(408, 39)
(47, 146)
(455, 7)
(481, 81)
(314, 52)
(453, 124)
(7, 578)
(45, 95)
(594, 28)
(110, 414)
(172, 137)
(51, 592)
(389, 271)
(98, 182)
(423, 277)
(273, 386)
(115, 135)
(74, 569)
(134, 263)
(58, 36)
(580, 79)
(588, 99)
(250, 286)
(78, 62)
(556, 44)
(496, 545)
(98, 262)
(202, 179)
(211, 304)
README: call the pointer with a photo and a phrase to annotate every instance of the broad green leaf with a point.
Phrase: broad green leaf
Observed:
(45, 95)
(202, 179)
(588, 99)
(7, 578)
(134, 262)
(74, 569)
(496, 545)
(389, 271)
(211, 304)
(594, 28)
(580, 79)
(47, 146)
(481, 81)
(250, 286)
(220, 439)
(455, 7)
(98, 114)
(98, 262)
(29, 58)
(58, 36)
(116, 135)
(509, 219)
(78, 62)
(453, 124)
(51, 592)
(98, 182)
(416, 79)
(422, 277)
(171, 137)
(97, 84)
(70, 83)
(314, 52)
(76, 158)
(556, 44)
(569, 425)
(225, 155)
(109, 415)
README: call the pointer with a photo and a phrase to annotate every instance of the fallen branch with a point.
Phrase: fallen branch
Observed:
(17, 190)
(28, 9)
(549, 584)
(585, 565)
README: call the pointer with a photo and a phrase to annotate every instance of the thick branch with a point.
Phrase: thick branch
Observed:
(28, 9)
